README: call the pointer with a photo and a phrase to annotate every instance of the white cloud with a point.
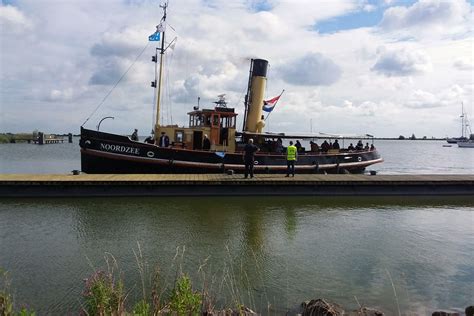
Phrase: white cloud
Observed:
(60, 95)
(423, 99)
(429, 18)
(13, 20)
(313, 69)
(463, 64)
(71, 53)
(402, 62)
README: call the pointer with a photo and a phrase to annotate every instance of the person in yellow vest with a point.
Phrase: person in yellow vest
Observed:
(291, 156)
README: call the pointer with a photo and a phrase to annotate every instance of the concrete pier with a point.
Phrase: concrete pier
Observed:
(108, 185)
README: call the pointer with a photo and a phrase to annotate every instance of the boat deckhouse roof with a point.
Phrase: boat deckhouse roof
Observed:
(218, 110)
(306, 136)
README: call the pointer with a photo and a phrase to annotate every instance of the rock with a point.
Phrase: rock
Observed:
(441, 313)
(320, 307)
(244, 311)
(470, 310)
(365, 311)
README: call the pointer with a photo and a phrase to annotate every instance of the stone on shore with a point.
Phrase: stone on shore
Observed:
(365, 311)
(470, 310)
(321, 307)
(442, 313)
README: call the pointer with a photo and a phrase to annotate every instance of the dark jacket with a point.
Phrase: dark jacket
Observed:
(206, 144)
(166, 140)
(249, 153)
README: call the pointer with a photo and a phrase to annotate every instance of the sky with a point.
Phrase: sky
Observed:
(386, 67)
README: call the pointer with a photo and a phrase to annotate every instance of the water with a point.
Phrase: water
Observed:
(277, 251)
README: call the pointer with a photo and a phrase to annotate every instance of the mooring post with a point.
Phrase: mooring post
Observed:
(40, 138)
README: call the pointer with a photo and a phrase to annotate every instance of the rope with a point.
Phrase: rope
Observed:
(107, 95)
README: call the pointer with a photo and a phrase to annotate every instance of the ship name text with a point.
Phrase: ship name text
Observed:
(120, 149)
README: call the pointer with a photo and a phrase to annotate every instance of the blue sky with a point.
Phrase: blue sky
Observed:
(359, 18)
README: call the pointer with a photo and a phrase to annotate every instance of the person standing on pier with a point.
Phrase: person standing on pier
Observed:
(135, 135)
(249, 157)
(291, 155)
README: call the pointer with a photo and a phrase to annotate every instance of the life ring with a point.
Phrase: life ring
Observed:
(150, 154)
(255, 162)
(359, 159)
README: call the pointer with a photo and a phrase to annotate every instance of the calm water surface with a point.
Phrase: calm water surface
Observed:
(277, 251)
(280, 250)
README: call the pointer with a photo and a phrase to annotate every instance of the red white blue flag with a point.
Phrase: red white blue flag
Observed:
(269, 105)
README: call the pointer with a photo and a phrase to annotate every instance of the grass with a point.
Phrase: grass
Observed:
(6, 138)
(105, 292)
(6, 299)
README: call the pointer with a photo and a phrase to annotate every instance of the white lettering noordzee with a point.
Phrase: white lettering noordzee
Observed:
(120, 149)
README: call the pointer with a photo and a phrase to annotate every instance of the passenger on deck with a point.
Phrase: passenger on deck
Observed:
(298, 146)
(351, 147)
(359, 145)
(164, 140)
(314, 147)
(325, 147)
(330, 145)
(134, 135)
(372, 147)
(279, 146)
(206, 143)
(336, 145)
(366, 146)
(149, 140)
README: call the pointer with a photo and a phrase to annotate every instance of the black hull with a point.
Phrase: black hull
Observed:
(103, 153)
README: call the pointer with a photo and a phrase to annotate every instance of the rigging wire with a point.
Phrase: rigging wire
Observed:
(120, 79)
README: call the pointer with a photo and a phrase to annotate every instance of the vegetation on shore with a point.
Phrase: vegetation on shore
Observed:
(105, 293)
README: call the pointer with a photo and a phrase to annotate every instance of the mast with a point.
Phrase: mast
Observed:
(160, 73)
(462, 120)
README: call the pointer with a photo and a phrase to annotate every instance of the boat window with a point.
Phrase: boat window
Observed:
(215, 120)
(179, 136)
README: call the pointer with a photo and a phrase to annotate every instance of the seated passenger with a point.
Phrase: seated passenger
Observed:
(149, 140)
(359, 145)
(336, 145)
(372, 147)
(325, 147)
(351, 147)
(366, 146)
(314, 147)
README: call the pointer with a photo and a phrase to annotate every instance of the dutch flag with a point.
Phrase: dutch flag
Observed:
(269, 105)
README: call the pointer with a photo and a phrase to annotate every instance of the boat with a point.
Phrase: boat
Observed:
(466, 144)
(464, 129)
(467, 138)
(103, 153)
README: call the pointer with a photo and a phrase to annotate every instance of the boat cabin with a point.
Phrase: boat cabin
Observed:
(218, 124)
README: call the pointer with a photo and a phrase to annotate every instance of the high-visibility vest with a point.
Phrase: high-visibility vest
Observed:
(291, 153)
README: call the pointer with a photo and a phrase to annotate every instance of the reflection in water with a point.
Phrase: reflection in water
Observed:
(277, 251)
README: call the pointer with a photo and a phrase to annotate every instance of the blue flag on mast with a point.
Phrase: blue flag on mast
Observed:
(155, 37)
